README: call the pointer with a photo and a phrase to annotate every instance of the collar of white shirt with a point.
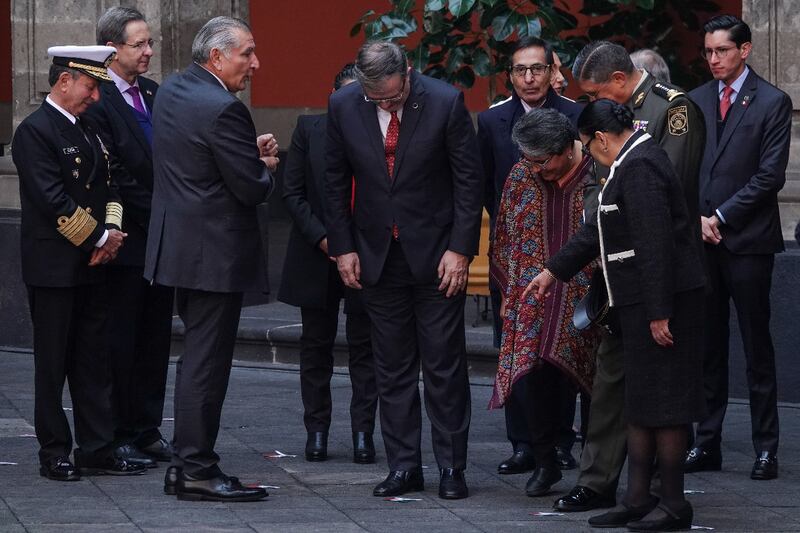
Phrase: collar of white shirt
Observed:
(218, 78)
(72, 118)
(736, 85)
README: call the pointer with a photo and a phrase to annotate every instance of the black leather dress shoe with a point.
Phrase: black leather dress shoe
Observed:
(363, 448)
(623, 513)
(520, 462)
(765, 467)
(160, 450)
(171, 480)
(542, 479)
(217, 489)
(581, 499)
(317, 446)
(60, 469)
(565, 459)
(700, 460)
(452, 485)
(107, 466)
(673, 520)
(399, 482)
(134, 456)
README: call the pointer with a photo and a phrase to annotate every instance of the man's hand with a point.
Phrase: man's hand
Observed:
(539, 285)
(710, 227)
(349, 269)
(267, 145)
(268, 151)
(113, 242)
(99, 257)
(659, 329)
(453, 271)
(323, 245)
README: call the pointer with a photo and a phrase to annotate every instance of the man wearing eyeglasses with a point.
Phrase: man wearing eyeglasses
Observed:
(140, 314)
(407, 142)
(532, 74)
(747, 149)
(604, 70)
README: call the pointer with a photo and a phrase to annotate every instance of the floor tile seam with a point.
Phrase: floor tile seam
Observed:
(11, 510)
(113, 501)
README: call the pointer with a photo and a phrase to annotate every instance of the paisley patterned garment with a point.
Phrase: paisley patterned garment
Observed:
(535, 219)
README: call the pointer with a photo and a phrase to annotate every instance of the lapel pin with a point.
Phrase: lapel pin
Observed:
(148, 92)
(415, 105)
(745, 100)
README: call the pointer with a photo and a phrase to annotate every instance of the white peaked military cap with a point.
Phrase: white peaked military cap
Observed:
(90, 60)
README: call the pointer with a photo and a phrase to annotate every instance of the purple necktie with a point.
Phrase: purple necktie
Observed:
(137, 100)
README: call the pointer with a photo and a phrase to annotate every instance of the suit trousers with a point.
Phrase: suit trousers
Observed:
(211, 320)
(415, 323)
(747, 279)
(68, 344)
(316, 361)
(139, 336)
(605, 444)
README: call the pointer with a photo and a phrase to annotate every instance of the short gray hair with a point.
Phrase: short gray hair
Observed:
(112, 23)
(652, 62)
(219, 33)
(378, 60)
(599, 60)
(543, 132)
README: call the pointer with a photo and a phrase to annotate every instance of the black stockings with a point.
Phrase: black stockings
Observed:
(668, 445)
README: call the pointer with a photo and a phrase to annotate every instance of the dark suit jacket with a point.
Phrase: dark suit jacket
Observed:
(131, 163)
(645, 237)
(62, 178)
(498, 152)
(742, 173)
(204, 232)
(304, 281)
(434, 196)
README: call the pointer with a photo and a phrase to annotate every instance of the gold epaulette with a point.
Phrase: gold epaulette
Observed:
(78, 227)
(667, 93)
(114, 214)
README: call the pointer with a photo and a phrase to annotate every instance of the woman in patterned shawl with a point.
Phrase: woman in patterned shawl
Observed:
(541, 207)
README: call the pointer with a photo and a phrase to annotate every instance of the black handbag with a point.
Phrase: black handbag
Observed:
(594, 308)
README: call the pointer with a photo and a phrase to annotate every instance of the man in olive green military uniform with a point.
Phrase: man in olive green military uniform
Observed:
(604, 70)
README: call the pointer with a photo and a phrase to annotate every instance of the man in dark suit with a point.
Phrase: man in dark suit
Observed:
(71, 227)
(408, 142)
(140, 313)
(204, 239)
(747, 149)
(604, 70)
(531, 73)
(311, 281)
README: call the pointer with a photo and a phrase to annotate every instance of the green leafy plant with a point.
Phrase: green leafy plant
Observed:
(464, 39)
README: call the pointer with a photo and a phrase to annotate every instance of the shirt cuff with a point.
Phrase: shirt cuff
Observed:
(102, 240)
(720, 217)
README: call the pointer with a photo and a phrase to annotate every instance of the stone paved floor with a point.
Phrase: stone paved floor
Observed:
(263, 414)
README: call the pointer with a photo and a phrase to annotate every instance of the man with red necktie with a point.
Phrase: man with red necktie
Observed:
(409, 143)
(748, 124)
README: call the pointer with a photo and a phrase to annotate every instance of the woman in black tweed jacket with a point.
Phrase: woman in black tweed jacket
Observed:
(654, 278)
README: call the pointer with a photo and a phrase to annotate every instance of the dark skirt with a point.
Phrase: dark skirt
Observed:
(664, 386)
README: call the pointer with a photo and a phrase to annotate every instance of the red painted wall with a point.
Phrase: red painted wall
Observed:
(302, 45)
(5, 50)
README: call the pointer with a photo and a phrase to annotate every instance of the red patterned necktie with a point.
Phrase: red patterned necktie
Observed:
(725, 103)
(390, 147)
